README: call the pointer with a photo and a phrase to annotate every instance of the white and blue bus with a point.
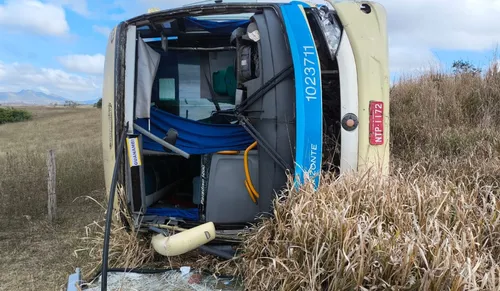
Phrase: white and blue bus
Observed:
(221, 103)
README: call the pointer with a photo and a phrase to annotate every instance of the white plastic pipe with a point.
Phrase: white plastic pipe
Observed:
(185, 241)
(162, 142)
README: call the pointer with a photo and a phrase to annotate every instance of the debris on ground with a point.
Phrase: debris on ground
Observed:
(174, 280)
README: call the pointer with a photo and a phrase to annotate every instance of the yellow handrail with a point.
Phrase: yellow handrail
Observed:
(228, 152)
(248, 182)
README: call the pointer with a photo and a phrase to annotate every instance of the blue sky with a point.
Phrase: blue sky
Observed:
(57, 46)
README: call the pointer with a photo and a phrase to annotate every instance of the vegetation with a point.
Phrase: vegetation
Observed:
(72, 104)
(98, 104)
(27, 241)
(434, 224)
(11, 114)
(461, 67)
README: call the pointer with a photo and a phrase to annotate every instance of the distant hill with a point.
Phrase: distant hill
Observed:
(30, 97)
(89, 102)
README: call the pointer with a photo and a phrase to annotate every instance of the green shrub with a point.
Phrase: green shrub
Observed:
(98, 104)
(13, 115)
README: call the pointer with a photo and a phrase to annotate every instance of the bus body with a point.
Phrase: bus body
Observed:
(223, 101)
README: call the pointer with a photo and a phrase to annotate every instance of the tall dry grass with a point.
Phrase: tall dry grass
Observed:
(128, 248)
(74, 133)
(407, 232)
(446, 116)
(35, 254)
(434, 224)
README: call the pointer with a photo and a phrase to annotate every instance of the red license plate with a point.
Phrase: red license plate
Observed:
(376, 123)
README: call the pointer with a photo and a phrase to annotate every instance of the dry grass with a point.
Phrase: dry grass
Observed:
(407, 232)
(32, 250)
(75, 135)
(128, 248)
(443, 116)
(434, 224)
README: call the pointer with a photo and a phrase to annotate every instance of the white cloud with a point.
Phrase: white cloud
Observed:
(447, 24)
(139, 7)
(414, 59)
(78, 6)
(104, 30)
(91, 64)
(417, 27)
(19, 76)
(43, 90)
(33, 16)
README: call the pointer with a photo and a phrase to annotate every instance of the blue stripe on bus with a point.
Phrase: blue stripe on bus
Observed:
(309, 104)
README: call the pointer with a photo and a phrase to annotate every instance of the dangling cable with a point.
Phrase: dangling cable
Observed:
(109, 213)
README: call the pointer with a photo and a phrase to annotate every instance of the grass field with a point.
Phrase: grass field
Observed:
(434, 224)
(37, 255)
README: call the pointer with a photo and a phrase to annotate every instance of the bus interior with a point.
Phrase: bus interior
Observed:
(216, 81)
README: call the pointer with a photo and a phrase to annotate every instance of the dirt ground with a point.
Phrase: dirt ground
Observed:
(37, 255)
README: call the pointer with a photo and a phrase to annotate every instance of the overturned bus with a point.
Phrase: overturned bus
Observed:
(219, 104)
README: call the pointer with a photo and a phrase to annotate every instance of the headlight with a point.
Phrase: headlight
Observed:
(331, 30)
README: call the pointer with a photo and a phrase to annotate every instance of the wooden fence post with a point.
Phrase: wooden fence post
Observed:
(51, 185)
